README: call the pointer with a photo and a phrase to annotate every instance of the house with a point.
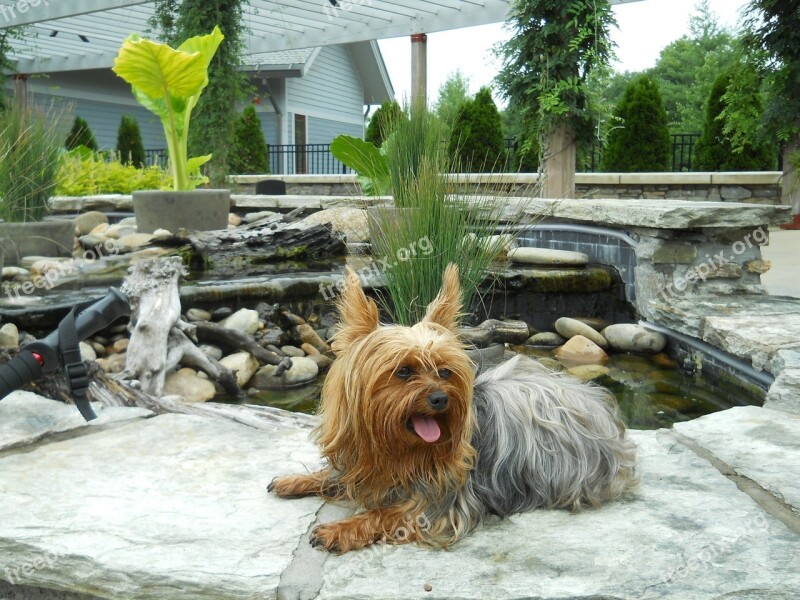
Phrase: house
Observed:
(305, 98)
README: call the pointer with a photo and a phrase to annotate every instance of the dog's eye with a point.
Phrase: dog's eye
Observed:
(445, 373)
(404, 372)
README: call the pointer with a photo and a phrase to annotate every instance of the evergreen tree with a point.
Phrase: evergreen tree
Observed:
(81, 135)
(129, 142)
(383, 121)
(453, 93)
(477, 141)
(641, 143)
(250, 153)
(714, 150)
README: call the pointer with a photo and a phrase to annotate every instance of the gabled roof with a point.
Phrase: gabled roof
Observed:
(86, 34)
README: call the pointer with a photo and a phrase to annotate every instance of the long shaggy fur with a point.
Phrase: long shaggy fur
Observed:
(518, 437)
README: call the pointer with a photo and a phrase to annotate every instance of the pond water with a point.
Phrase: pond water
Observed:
(650, 395)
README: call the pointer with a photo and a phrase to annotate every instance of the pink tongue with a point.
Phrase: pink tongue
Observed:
(426, 427)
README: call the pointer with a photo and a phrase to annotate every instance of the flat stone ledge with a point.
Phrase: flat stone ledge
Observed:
(665, 178)
(760, 444)
(756, 178)
(26, 418)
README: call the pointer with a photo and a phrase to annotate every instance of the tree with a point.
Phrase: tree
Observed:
(453, 94)
(80, 135)
(476, 142)
(556, 45)
(129, 142)
(642, 143)
(250, 153)
(6, 66)
(214, 118)
(383, 122)
(772, 44)
(714, 150)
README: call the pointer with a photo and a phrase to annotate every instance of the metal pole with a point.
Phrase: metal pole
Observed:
(419, 69)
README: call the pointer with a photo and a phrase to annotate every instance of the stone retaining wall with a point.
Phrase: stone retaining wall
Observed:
(754, 188)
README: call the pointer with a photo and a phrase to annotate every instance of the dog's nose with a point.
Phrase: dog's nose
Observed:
(438, 400)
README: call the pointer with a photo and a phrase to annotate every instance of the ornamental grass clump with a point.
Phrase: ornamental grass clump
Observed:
(29, 159)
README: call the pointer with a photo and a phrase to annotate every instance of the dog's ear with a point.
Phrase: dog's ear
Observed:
(358, 315)
(446, 307)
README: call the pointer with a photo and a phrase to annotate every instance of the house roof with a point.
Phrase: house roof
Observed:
(86, 34)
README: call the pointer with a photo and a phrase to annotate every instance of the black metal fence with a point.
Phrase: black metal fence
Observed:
(311, 159)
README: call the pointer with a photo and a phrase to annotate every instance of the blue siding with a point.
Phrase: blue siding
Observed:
(269, 126)
(323, 131)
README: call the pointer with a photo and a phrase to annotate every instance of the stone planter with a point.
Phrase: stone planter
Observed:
(54, 238)
(197, 210)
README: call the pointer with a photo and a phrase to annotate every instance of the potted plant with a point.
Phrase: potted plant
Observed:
(29, 160)
(169, 82)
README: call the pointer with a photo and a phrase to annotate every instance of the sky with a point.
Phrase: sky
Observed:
(644, 29)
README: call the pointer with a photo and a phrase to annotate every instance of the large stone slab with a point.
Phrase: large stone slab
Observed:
(688, 533)
(761, 444)
(754, 337)
(170, 507)
(26, 418)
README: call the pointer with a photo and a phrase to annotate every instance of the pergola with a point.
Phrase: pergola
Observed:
(73, 35)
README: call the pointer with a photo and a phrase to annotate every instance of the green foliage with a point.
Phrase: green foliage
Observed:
(129, 142)
(476, 140)
(714, 150)
(80, 135)
(453, 94)
(383, 121)
(432, 231)
(169, 82)
(547, 63)
(367, 160)
(6, 35)
(250, 153)
(526, 157)
(85, 173)
(642, 142)
(29, 154)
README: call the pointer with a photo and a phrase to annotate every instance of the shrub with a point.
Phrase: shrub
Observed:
(129, 143)
(714, 150)
(81, 135)
(250, 153)
(642, 142)
(84, 173)
(477, 141)
(29, 155)
(383, 122)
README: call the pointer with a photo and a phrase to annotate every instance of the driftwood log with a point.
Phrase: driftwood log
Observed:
(160, 340)
(493, 331)
(214, 334)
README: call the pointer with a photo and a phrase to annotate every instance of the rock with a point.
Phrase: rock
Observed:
(258, 216)
(303, 371)
(292, 351)
(119, 231)
(735, 192)
(549, 258)
(596, 324)
(306, 334)
(121, 345)
(546, 338)
(9, 337)
(244, 321)
(92, 240)
(581, 351)
(272, 337)
(243, 364)
(159, 235)
(87, 352)
(588, 372)
(350, 222)
(629, 337)
(196, 314)
(551, 363)
(663, 360)
(128, 222)
(234, 219)
(221, 313)
(309, 350)
(113, 364)
(133, 242)
(569, 328)
(323, 362)
(99, 349)
(186, 384)
(42, 267)
(100, 229)
(15, 273)
(758, 266)
(211, 352)
(86, 222)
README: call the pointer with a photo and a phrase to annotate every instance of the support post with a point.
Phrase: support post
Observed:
(21, 90)
(560, 149)
(790, 184)
(419, 70)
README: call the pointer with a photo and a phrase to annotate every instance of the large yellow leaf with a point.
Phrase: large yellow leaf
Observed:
(157, 70)
(204, 44)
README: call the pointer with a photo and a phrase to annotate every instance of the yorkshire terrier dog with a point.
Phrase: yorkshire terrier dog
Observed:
(409, 433)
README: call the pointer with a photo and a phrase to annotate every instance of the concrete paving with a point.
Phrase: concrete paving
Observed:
(783, 279)
(175, 506)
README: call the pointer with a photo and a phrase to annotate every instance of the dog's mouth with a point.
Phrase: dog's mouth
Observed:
(426, 427)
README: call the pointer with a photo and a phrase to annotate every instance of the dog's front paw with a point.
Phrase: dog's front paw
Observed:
(337, 538)
(289, 486)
